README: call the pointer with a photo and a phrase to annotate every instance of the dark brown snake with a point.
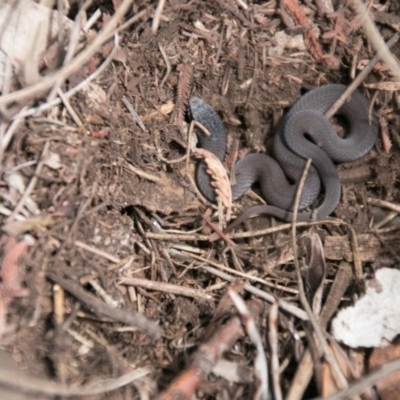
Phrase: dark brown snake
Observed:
(304, 133)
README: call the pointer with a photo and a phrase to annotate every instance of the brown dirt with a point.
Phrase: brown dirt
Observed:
(94, 197)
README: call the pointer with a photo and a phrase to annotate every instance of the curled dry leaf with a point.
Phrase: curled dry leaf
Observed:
(220, 179)
(316, 270)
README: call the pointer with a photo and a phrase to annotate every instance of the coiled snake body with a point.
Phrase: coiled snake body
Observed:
(292, 146)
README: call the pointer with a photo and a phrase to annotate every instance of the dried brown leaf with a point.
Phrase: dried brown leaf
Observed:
(316, 270)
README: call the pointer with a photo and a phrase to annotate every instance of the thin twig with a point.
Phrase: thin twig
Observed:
(336, 371)
(273, 345)
(134, 114)
(31, 111)
(241, 235)
(285, 306)
(75, 64)
(386, 204)
(29, 384)
(143, 174)
(32, 182)
(366, 382)
(304, 371)
(260, 361)
(360, 77)
(6, 136)
(73, 42)
(168, 64)
(96, 251)
(376, 39)
(167, 288)
(157, 16)
(71, 111)
(100, 308)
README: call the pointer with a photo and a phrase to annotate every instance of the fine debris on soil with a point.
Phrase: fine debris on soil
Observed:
(117, 280)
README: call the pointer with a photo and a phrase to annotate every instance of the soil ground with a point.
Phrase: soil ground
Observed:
(113, 183)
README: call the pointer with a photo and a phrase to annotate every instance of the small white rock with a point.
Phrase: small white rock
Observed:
(375, 318)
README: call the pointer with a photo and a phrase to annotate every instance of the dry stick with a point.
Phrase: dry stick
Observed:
(165, 57)
(389, 217)
(216, 229)
(376, 39)
(305, 368)
(360, 77)
(223, 338)
(166, 287)
(244, 275)
(157, 16)
(26, 113)
(336, 371)
(385, 204)
(92, 20)
(74, 65)
(290, 308)
(185, 384)
(29, 384)
(96, 251)
(32, 183)
(260, 366)
(100, 308)
(221, 39)
(70, 109)
(73, 42)
(366, 382)
(134, 114)
(259, 232)
(141, 173)
(273, 345)
(6, 136)
(239, 235)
